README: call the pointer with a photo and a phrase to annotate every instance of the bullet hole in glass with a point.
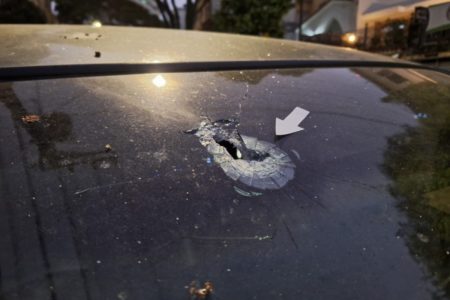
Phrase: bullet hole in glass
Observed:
(254, 162)
(231, 149)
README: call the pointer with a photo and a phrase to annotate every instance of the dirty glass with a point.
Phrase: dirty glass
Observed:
(175, 186)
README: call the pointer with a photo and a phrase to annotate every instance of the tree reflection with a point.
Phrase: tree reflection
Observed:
(48, 129)
(255, 77)
(418, 160)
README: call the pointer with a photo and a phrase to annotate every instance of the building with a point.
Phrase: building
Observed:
(378, 18)
(324, 21)
(292, 18)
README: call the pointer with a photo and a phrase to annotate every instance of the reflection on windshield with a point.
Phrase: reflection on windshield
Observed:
(168, 223)
(419, 162)
(159, 81)
(48, 129)
(255, 77)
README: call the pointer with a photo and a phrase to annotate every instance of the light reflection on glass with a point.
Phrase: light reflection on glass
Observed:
(159, 81)
(96, 24)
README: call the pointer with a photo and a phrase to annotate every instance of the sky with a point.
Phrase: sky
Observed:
(180, 2)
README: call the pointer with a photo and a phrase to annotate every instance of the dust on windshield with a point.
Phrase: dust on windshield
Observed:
(177, 185)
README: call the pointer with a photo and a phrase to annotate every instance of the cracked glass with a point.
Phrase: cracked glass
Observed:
(133, 187)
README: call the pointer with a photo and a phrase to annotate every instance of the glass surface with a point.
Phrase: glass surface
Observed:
(127, 187)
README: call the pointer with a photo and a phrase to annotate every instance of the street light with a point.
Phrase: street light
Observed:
(96, 24)
(350, 38)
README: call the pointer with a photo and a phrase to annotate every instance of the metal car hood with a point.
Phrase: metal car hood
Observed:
(29, 45)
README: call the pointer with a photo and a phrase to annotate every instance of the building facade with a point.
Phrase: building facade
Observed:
(386, 24)
(322, 20)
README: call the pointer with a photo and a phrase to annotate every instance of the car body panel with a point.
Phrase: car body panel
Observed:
(30, 45)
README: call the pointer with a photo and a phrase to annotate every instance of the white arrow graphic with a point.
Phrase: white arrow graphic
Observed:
(290, 123)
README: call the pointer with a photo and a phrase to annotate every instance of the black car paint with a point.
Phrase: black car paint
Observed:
(145, 218)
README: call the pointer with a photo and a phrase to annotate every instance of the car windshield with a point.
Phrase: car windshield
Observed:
(161, 186)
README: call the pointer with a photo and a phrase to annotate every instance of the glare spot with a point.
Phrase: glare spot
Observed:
(238, 154)
(352, 38)
(96, 24)
(159, 81)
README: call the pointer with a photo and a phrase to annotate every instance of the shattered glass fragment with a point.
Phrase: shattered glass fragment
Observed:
(296, 153)
(245, 193)
(246, 159)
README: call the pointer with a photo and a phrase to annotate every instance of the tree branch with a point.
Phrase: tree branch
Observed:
(177, 16)
(163, 13)
(203, 4)
(169, 12)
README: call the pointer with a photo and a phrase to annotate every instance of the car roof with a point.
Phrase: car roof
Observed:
(25, 45)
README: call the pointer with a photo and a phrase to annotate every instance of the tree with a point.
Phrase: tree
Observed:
(376, 40)
(418, 161)
(115, 12)
(171, 15)
(252, 17)
(20, 11)
(395, 34)
(126, 12)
